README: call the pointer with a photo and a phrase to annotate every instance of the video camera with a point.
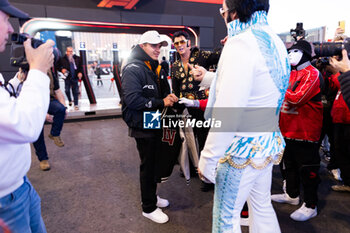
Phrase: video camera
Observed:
(298, 31)
(18, 56)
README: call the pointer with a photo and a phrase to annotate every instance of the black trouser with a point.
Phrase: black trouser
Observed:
(72, 83)
(99, 80)
(302, 162)
(328, 129)
(283, 169)
(200, 133)
(147, 152)
(342, 150)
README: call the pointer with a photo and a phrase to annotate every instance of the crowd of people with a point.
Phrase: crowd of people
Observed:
(291, 131)
(275, 106)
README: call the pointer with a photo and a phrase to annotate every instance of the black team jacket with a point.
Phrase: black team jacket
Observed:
(144, 86)
(143, 90)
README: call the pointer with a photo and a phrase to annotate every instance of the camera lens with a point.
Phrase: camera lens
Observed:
(328, 49)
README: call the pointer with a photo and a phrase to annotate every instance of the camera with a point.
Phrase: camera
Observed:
(18, 57)
(298, 31)
(329, 49)
(321, 63)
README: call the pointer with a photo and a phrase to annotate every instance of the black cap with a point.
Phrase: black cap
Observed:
(12, 11)
(302, 45)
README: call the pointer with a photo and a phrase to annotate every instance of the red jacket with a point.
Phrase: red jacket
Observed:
(340, 112)
(302, 111)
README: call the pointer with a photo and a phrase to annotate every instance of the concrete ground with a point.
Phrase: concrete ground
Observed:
(93, 186)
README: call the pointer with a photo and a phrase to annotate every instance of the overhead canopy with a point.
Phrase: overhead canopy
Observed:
(127, 4)
(130, 4)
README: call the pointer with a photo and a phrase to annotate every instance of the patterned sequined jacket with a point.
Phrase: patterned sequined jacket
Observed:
(183, 83)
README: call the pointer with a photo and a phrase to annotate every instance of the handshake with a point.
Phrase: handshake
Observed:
(198, 73)
(170, 100)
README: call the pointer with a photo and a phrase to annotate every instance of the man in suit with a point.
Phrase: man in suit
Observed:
(70, 65)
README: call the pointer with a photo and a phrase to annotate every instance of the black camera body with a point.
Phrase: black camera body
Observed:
(330, 49)
(324, 61)
(298, 31)
(18, 56)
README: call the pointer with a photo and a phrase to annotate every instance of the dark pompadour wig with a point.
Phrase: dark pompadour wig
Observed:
(245, 8)
(181, 33)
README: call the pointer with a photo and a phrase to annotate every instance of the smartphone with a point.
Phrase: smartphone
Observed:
(342, 25)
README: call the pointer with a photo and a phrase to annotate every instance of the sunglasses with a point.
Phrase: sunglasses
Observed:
(181, 42)
(222, 12)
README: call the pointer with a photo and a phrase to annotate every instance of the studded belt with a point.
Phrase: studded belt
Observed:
(268, 160)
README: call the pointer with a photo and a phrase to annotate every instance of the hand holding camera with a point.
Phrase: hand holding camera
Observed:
(29, 53)
(298, 33)
(40, 58)
(342, 65)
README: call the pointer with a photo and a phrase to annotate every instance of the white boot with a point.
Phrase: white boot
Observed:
(285, 198)
(157, 216)
(304, 213)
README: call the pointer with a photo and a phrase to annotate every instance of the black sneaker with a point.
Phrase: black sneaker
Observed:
(206, 187)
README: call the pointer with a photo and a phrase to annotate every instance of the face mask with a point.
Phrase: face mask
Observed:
(295, 56)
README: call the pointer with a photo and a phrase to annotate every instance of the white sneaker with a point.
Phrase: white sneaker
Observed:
(304, 213)
(245, 222)
(157, 216)
(162, 203)
(336, 174)
(285, 198)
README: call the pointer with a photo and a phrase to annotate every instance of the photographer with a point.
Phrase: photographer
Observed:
(329, 94)
(21, 121)
(298, 33)
(344, 79)
(342, 126)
